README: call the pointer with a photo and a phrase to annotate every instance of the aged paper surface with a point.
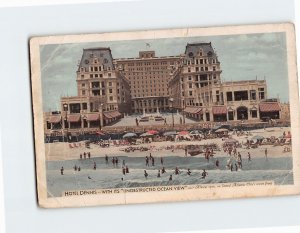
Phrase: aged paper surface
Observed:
(165, 115)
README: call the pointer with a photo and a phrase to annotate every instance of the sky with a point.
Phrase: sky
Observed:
(242, 57)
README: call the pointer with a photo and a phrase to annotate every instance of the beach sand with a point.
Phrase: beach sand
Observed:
(61, 151)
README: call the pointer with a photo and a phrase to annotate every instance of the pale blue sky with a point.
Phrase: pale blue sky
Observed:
(242, 57)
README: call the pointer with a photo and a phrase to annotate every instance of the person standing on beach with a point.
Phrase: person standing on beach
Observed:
(145, 174)
(249, 157)
(161, 160)
(236, 167)
(158, 174)
(84, 155)
(106, 159)
(266, 153)
(95, 166)
(79, 169)
(170, 178)
(80, 156)
(89, 154)
(62, 170)
(185, 151)
(75, 168)
(127, 169)
(163, 170)
(204, 174)
(113, 161)
(217, 163)
(124, 171)
(117, 161)
(147, 161)
(189, 172)
(153, 162)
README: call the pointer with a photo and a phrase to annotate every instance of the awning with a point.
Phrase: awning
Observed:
(74, 118)
(193, 110)
(115, 114)
(107, 115)
(93, 117)
(269, 107)
(219, 110)
(54, 119)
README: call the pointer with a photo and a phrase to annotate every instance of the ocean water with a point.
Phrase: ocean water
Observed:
(278, 170)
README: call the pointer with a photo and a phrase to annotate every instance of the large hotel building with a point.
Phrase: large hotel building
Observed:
(190, 83)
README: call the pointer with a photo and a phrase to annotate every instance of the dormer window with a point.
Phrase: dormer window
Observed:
(95, 60)
(191, 54)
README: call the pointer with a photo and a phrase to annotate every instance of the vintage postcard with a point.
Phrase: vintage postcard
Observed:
(165, 115)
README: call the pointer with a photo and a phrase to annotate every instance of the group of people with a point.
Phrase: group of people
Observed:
(85, 155)
(151, 160)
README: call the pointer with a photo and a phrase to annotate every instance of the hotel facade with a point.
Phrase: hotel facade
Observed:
(108, 89)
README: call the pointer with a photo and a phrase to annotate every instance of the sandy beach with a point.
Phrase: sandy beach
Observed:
(60, 151)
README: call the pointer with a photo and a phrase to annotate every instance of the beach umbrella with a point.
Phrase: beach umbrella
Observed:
(170, 133)
(152, 131)
(258, 137)
(221, 130)
(129, 135)
(231, 140)
(183, 133)
(146, 135)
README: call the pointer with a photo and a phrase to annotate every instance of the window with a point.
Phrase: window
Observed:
(254, 113)
(111, 98)
(110, 84)
(96, 75)
(240, 95)
(230, 116)
(252, 94)
(190, 78)
(214, 68)
(96, 68)
(83, 92)
(91, 76)
(83, 84)
(229, 96)
(103, 92)
(261, 93)
(84, 106)
(101, 75)
(109, 74)
(82, 76)
(110, 91)
(190, 93)
(189, 69)
(190, 85)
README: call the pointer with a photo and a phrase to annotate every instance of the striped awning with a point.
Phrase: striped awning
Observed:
(74, 118)
(107, 115)
(193, 110)
(269, 107)
(55, 119)
(219, 110)
(93, 117)
(115, 114)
